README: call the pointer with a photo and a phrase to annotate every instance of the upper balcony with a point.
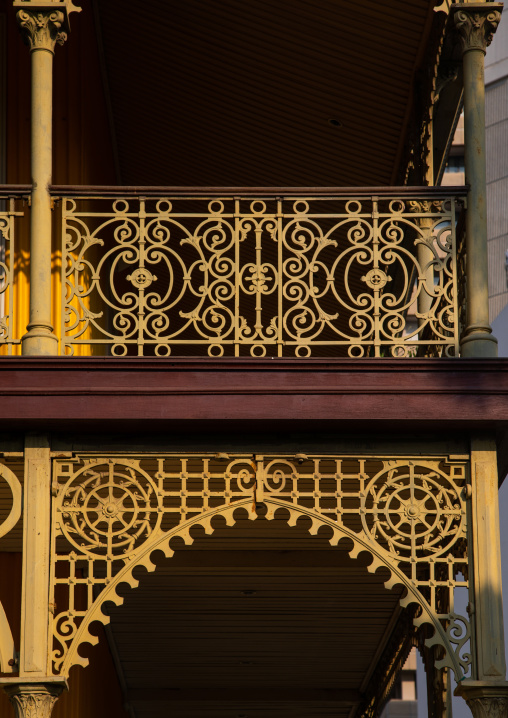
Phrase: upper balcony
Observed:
(366, 256)
(237, 273)
(231, 212)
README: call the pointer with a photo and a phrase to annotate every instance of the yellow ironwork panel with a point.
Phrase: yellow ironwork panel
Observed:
(295, 277)
(111, 512)
(13, 287)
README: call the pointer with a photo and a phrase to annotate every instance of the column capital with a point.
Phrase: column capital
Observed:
(34, 700)
(476, 23)
(44, 23)
(486, 699)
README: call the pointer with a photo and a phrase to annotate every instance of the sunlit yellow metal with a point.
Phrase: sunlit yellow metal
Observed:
(10, 308)
(42, 28)
(267, 277)
(7, 646)
(110, 513)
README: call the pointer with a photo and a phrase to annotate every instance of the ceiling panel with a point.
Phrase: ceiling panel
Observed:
(230, 93)
(257, 619)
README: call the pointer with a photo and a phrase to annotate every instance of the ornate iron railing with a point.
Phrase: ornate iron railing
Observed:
(235, 273)
(11, 268)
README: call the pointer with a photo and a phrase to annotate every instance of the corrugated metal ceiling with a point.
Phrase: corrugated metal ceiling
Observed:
(258, 620)
(241, 93)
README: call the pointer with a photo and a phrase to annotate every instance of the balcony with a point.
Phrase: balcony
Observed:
(245, 272)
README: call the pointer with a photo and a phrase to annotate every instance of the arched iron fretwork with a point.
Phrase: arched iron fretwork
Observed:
(111, 514)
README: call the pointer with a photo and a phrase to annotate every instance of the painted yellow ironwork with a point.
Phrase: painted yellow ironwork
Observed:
(265, 277)
(10, 330)
(110, 513)
(7, 646)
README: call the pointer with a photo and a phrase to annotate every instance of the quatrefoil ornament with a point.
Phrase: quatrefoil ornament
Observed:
(142, 278)
(376, 278)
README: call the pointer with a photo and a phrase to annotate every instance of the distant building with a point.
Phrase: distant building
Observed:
(496, 126)
(403, 703)
(496, 107)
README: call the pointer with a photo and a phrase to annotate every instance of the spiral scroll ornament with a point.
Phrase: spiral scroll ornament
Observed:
(283, 277)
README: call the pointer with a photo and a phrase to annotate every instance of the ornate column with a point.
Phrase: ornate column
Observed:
(35, 690)
(34, 700)
(487, 692)
(487, 602)
(475, 24)
(35, 649)
(484, 699)
(43, 24)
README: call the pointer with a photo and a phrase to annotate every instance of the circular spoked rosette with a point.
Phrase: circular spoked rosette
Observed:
(413, 511)
(109, 509)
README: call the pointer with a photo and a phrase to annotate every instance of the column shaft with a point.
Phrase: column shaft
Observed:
(478, 340)
(42, 25)
(475, 25)
(40, 339)
(486, 557)
(34, 653)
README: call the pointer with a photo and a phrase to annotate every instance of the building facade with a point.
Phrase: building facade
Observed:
(237, 478)
(496, 102)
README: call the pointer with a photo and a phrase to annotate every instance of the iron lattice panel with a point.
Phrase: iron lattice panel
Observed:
(110, 513)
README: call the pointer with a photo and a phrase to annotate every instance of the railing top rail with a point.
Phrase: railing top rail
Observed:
(20, 190)
(15, 190)
(133, 191)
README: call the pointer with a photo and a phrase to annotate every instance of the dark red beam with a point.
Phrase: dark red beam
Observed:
(373, 390)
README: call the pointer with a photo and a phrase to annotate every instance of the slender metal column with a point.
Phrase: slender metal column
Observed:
(35, 648)
(486, 558)
(34, 692)
(486, 692)
(43, 24)
(40, 338)
(475, 24)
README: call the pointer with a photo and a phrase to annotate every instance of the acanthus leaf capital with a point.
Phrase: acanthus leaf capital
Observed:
(44, 23)
(475, 26)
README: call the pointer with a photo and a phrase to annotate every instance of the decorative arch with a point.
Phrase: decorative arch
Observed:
(386, 489)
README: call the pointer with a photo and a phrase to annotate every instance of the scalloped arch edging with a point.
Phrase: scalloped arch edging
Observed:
(161, 543)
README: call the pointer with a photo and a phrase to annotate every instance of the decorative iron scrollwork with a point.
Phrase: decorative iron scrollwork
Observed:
(109, 514)
(15, 510)
(414, 512)
(10, 264)
(275, 277)
(109, 511)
